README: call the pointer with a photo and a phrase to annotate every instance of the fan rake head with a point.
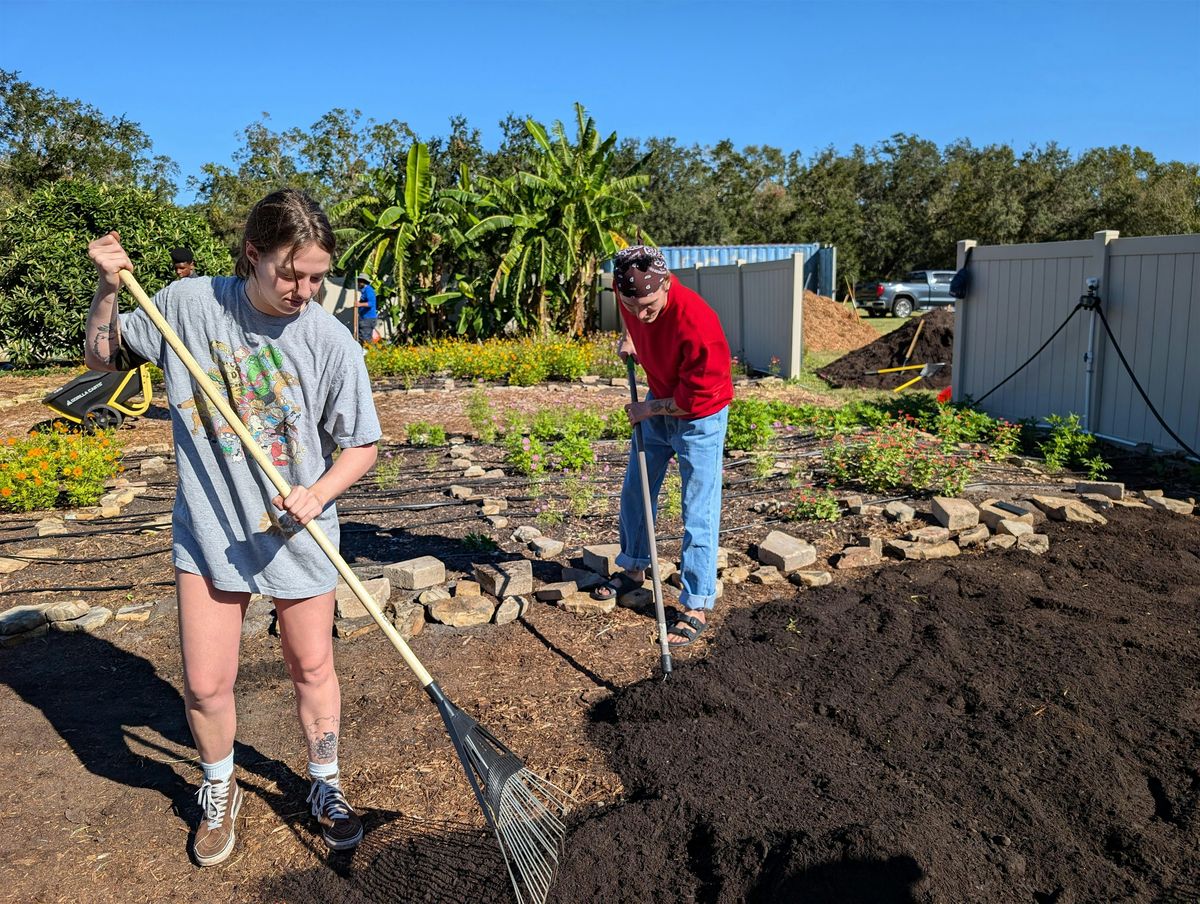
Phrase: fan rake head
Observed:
(527, 812)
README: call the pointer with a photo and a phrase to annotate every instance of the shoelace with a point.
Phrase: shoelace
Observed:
(213, 798)
(329, 800)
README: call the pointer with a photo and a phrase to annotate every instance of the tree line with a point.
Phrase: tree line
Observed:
(472, 239)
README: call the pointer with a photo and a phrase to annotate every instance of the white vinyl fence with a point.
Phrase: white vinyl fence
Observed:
(1149, 291)
(760, 307)
(339, 295)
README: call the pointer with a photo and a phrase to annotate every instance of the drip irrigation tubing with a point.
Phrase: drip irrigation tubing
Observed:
(979, 484)
(90, 559)
(95, 588)
(93, 533)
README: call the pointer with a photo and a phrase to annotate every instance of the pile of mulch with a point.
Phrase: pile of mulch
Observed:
(935, 344)
(830, 326)
(1004, 728)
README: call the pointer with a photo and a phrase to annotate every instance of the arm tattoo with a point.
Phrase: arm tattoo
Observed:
(669, 408)
(323, 740)
(105, 331)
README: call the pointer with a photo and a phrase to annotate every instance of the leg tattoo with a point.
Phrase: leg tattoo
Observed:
(322, 740)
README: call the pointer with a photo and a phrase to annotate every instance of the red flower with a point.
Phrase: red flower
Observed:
(944, 396)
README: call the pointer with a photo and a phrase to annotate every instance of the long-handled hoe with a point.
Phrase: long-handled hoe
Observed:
(524, 810)
(660, 614)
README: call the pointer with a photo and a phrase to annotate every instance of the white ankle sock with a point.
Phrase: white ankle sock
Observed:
(219, 771)
(326, 772)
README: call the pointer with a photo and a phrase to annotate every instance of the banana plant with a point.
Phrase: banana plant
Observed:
(410, 239)
(556, 221)
(589, 206)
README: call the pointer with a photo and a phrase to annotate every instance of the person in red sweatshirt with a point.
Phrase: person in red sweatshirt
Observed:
(677, 338)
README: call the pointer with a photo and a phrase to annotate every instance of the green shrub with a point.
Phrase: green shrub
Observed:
(672, 504)
(474, 541)
(423, 434)
(617, 426)
(46, 279)
(584, 498)
(954, 424)
(524, 453)
(1068, 446)
(813, 505)
(572, 453)
(553, 438)
(481, 416)
(749, 425)
(896, 456)
(388, 469)
(1003, 440)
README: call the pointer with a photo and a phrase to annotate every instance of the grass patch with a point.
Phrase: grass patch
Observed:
(887, 324)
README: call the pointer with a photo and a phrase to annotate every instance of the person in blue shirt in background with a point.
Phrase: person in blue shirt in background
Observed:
(368, 313)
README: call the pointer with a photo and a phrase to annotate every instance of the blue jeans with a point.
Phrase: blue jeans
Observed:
(699, 445)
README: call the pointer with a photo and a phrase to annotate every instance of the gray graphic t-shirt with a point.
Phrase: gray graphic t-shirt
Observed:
(300, 387)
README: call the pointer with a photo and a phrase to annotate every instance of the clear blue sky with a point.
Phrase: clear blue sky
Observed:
(798, 75)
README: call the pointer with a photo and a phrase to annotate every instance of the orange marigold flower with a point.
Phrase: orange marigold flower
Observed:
(74, 455)
(12, 440)
(37, 481)
(20, 475)
(77, 471)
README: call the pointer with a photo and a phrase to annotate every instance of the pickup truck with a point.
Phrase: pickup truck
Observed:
(919, 289)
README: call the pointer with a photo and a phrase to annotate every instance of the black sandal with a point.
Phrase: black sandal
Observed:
(694, 629)
(616, 586)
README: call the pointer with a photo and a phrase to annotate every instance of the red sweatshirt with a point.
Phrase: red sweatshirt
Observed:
(684, 353)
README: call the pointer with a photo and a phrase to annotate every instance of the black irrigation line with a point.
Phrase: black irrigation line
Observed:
(1075, 310)
(141, 519)
(95, 588)
(978, 484)
(89, 559)
(1138, 386)
(92, 533)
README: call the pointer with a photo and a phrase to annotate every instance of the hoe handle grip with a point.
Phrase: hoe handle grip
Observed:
(207, 386)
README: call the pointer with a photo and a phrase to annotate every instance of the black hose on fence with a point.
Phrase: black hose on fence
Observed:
(1075, 310)
(1129, 370)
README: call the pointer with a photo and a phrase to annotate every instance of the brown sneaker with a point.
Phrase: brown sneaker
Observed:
(217, 833)
(341, 828)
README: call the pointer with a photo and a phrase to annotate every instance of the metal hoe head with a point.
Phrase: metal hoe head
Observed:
(524, 810)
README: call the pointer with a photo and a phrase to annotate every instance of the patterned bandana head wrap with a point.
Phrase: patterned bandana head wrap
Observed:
(638, 271)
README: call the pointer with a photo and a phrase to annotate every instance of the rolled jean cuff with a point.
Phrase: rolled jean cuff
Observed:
(693, 601)
(629, 563)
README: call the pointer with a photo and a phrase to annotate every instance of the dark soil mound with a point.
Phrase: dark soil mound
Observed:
(934, 345)
(1006, 728)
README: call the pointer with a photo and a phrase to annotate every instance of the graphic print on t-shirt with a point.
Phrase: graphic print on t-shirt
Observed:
(256, 385)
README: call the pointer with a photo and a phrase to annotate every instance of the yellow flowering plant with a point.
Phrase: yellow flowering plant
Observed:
(518, 362)
(36, 469)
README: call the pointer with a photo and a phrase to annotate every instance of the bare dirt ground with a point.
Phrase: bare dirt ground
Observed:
(879, 735)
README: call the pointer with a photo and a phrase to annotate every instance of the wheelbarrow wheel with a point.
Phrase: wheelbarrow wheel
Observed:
(102, 417)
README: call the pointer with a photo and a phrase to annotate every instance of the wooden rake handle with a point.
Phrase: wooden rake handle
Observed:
(207, 386)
